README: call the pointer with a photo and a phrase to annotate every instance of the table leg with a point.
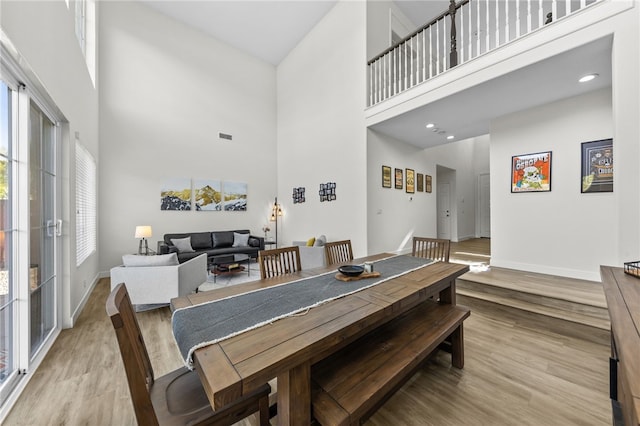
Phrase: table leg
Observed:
(294, 396)
(448, 295)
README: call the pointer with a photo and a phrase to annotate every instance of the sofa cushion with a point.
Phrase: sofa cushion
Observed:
(320, 241)
(240, 240)
(201, 240)
(132, 260)
(311, 241)
(254, 242)
(222, 239)
(183, 244)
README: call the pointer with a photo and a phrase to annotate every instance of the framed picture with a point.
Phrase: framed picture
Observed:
(420, 182)
(597, 166)
(399, 182)
(386, 177)
(411, 181)
(531, 172)
(427, 183)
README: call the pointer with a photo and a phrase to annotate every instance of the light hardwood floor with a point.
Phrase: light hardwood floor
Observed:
(517, 371)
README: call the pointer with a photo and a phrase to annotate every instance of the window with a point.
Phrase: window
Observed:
(81, 9)
(85, 204)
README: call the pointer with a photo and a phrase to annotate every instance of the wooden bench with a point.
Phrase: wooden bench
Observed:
(350, 385)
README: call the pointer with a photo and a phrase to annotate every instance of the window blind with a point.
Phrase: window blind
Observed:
(86, 228)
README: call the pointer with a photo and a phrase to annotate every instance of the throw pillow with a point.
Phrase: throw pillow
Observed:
(320, 241)
(183, 245)
(310, 241)
(240, 240)
(159, 260)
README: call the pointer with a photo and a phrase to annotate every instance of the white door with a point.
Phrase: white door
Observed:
(444, 211)
(484, 206)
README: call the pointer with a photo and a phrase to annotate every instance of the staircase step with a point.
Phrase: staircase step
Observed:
(566, 314)
(582, 292)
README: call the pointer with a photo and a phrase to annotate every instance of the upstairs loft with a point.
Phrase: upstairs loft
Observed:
(478, 42)
(466, 30)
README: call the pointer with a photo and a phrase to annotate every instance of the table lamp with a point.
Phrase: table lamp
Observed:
(143, 232)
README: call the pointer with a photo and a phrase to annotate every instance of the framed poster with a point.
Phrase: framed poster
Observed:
(411, 181)
(386, 177)
(420, 182)
(531, 172)
(427, 183)
(597, 166)
(399, 182)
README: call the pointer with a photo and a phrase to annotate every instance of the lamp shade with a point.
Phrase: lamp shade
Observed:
(143, 231)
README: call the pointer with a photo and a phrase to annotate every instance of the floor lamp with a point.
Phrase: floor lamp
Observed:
(276, 211)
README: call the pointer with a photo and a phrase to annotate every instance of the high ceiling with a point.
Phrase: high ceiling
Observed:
(270, 29)
(265, 29)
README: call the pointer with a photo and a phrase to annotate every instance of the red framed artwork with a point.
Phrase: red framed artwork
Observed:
(531, 172)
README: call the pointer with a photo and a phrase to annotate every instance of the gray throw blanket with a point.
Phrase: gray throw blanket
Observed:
(208, 323)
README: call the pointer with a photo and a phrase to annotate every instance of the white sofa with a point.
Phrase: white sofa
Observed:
(157, 279)
(311, 257)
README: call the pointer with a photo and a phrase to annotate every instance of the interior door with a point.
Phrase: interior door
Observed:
(484, 206)
(444, 211)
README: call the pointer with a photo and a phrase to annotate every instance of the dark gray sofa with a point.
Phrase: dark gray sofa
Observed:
(215, 243)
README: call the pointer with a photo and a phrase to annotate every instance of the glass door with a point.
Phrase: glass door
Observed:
(8, 329)
(42, 236)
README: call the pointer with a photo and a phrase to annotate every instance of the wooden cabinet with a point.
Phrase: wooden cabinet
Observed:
(623, 301)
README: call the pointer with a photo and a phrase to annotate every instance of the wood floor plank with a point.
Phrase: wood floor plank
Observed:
(514, 373)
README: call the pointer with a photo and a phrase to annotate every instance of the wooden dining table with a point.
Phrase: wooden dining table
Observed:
(286, 348)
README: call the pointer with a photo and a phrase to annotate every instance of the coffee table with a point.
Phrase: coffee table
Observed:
(228, 264)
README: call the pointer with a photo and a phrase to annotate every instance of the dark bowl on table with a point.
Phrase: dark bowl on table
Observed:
(351, 270)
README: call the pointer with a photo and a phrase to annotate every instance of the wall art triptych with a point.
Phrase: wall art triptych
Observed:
(203, 195)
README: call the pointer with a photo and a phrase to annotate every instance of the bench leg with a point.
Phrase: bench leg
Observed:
(457, 347)
(294, 396)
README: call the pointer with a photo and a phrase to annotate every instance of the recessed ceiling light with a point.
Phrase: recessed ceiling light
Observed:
(450, 137)
(587, 77)
(430, 125)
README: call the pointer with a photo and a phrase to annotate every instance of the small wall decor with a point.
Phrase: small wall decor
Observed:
(298, 195)
(235, 196)
(597, 166)
(386, 177)
(531, 172)
(398, 178)
(427, 181)
(411, 181)
(327, 191)
(175, 194)
(207, 195)
(420, 182)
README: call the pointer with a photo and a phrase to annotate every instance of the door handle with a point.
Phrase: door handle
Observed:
(59, 227)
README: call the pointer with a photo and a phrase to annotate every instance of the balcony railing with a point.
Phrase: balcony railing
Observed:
(467, 30)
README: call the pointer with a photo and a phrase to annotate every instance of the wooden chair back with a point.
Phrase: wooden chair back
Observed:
(177, 398)
(431, 248)
(134, 353)
(280, 261)
(338, 252)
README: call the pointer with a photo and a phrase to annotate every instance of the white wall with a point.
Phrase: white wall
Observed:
(43, 32)
(561, 232)
(395, 217)
(321, 131)
(167, 91)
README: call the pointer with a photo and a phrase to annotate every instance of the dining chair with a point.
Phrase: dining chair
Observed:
(177, 398)
(338, 252)
(431, 248)
(280, 261)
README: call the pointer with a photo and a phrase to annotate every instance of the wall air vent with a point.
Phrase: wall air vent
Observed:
(225, 136)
